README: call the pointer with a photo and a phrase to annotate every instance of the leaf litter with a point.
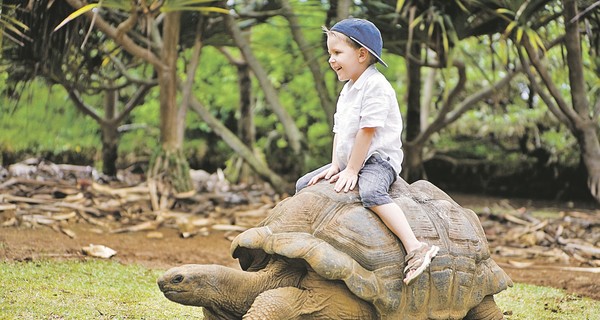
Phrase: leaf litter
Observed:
(36, 192)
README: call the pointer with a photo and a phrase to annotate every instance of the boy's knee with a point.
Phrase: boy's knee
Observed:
(373, 197)
(301, 184)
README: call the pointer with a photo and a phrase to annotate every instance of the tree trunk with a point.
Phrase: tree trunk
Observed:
(343, 9)
(587, 137)
(413, 167)
(169, 165)
(246, 129)
(427, 97)
(110, 150)
(110, 134)
(576, 115)
(585, 126)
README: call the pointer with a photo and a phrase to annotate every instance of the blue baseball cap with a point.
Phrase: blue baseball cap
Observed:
(363, 32)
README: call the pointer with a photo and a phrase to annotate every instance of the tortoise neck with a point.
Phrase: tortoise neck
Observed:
(243, 286)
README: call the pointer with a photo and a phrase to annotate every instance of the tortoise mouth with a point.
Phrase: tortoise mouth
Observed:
(173, 293)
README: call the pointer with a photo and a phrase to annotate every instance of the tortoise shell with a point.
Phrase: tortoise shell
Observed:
(341, 240)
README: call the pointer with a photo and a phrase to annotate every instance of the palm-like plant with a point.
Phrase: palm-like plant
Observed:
(147, 9)
(11, 28)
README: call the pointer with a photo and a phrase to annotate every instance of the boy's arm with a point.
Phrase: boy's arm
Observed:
(334, 161)
(348, 178)
(335, 168)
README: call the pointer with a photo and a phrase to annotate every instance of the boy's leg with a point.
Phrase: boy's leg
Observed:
(395, 219)
(303, 181)
(418, 254)
(374, 181)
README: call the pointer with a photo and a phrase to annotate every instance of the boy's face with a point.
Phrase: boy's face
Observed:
(347, 61)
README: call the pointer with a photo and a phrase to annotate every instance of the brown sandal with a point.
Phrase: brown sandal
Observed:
(417, 260)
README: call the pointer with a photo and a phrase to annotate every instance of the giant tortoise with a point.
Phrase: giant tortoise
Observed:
(321, 255)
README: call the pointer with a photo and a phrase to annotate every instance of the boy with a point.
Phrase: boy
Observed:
(367, 145)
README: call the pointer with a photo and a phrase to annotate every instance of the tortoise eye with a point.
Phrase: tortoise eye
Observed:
(177, 279)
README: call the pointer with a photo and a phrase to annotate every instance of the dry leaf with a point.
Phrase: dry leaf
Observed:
(154, 235)
(70, 233)
(8, 206)
(519, 264)
(10, 222)
(228, 227)
(144, 226)
(99, 251)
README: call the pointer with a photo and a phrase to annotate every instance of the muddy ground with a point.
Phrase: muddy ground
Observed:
(165, 248)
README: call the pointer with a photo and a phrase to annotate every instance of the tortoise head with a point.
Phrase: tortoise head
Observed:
(192, 285)
(220, 290)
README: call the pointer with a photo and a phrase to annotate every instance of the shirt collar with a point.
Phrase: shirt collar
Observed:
(371, 70)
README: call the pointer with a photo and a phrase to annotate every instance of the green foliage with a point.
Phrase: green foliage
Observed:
(145, 140)
(320, 137)
(290, 73)
(219, 90)
(505, 135)
(511, 128)
(43, 119)
(217, 87)
(84, 290)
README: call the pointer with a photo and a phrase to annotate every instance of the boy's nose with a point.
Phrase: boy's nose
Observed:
(331, 60)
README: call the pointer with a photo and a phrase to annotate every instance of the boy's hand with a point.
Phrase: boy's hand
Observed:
(346, 180)
(327, 174)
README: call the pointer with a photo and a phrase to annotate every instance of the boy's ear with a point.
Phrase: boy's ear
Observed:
(363, 55)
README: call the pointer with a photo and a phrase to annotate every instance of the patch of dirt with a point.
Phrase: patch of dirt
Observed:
(24, 244)
(584, 284)
(538, 271)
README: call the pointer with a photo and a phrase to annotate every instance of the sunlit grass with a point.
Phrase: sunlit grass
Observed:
(97, 289)
(525, 301)
(84, 290)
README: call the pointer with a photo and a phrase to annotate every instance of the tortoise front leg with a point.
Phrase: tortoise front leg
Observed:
(281, 303)
(486, 310)
(324, 299)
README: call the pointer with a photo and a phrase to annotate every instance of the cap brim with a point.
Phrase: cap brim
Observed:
(371, 51)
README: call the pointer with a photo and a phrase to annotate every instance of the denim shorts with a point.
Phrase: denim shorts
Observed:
(374, 181)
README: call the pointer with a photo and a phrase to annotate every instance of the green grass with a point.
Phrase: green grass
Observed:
(98, 289)
(524, 301)
(84, 290)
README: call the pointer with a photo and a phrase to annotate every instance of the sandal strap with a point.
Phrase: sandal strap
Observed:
(418, 260)
(414, 258)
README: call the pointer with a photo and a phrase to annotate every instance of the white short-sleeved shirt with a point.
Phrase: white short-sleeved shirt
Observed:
(370, 102)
